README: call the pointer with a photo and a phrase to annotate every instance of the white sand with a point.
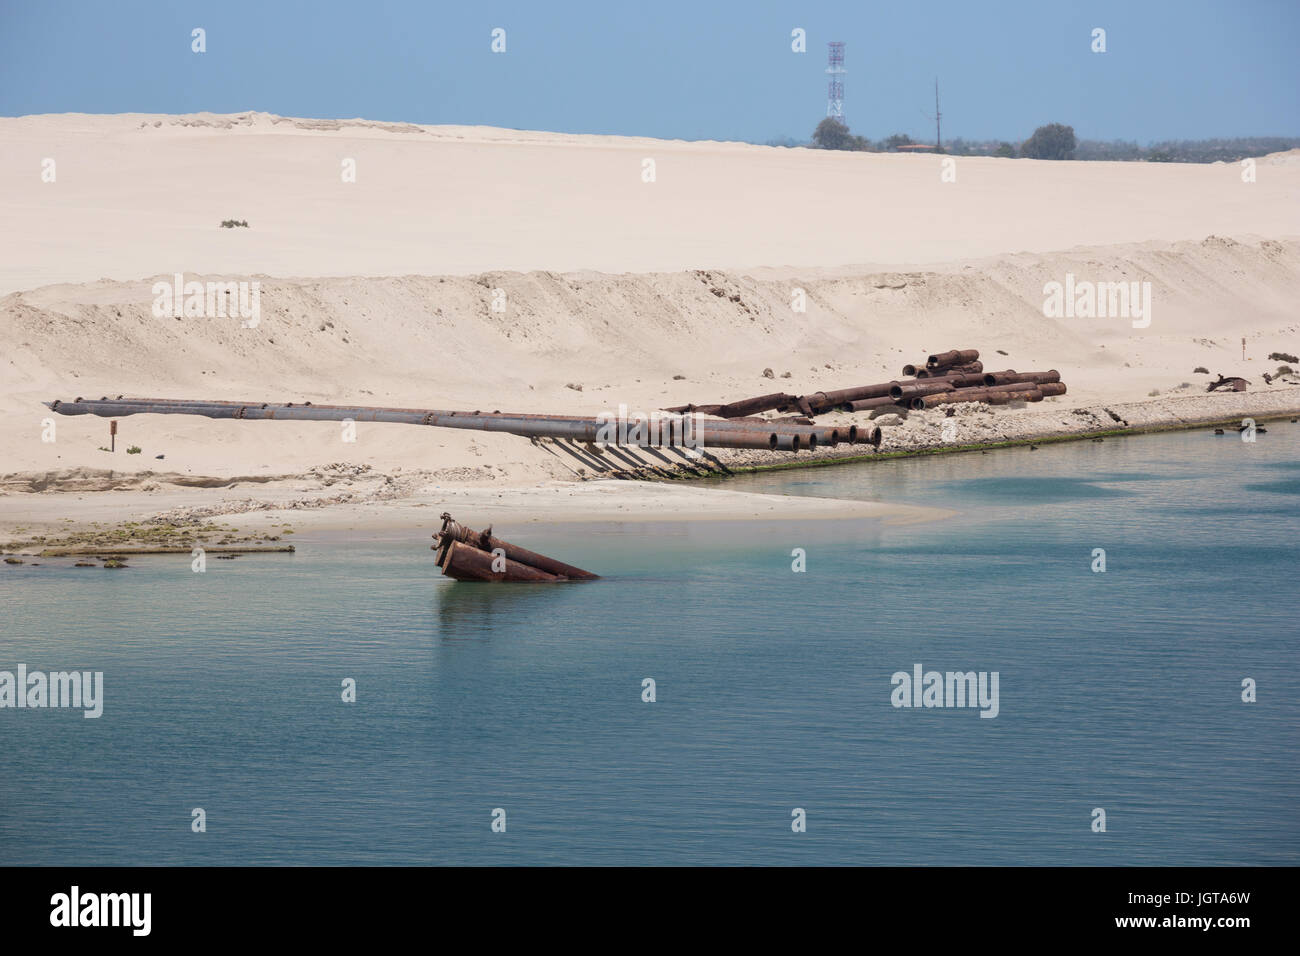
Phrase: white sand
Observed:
(400, 321)
(138, 195)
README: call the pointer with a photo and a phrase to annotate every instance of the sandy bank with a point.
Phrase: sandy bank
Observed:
(730, 275)
(261, 512)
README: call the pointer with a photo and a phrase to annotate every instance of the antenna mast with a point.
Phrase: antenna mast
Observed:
(835, 87)
(938, 136)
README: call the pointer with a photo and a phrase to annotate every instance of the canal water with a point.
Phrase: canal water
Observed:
(1119, 691)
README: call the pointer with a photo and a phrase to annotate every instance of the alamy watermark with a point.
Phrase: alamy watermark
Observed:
(923, 688)
(1098, 300)
(208, 300)
(36, 690)
(653, 430)
(75, 908)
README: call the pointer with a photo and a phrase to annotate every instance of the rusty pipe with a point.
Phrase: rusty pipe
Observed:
(1012, 377)
(955, 379)
(927, 388)
(943, 360)
(971, 368)
(452, 531)
(842, 396)
(992, 396)
(867, 404)
(752, 406)
(465, 562)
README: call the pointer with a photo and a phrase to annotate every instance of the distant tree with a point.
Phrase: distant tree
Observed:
(832, 134)
(1113, 151)
(1052, 141)
(1006, 151)
(897, 140)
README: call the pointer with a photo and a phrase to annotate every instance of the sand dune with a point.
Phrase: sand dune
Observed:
(139, 195)
(381, 292)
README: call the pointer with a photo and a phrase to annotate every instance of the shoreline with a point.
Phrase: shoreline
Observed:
(70, 519)
(51, 522)
(832, 459)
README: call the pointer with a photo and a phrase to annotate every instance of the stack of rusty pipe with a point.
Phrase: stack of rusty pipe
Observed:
(955, 376)
(944, 378)
(995, 395)
(468, 555)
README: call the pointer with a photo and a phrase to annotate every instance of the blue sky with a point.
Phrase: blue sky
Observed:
(690, 70)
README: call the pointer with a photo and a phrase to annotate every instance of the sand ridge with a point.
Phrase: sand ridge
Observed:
(137, 195)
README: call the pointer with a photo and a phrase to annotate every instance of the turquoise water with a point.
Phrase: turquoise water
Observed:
(1119, 690)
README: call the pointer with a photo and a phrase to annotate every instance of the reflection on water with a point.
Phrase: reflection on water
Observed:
(1118, 689)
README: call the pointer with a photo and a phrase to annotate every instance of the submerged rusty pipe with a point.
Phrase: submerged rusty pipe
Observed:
(452, 532)
(464, 562)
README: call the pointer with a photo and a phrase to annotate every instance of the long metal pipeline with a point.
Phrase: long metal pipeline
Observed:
(825, 435)
(715, 434)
